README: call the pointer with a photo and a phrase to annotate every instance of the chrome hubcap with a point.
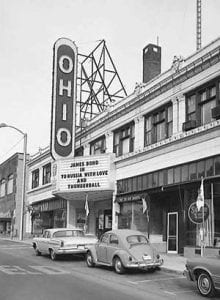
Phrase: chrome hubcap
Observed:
(204, 284)
(118, 265)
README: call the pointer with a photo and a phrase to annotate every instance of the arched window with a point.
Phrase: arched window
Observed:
(10, 184)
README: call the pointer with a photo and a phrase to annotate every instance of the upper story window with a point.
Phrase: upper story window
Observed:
(2, 188)
(124, 139)
(98, 146)
(35, 178)
(79, 151)
(158, 125)
(10, 184)
(199, 104)
(47, 173)
(207, 101)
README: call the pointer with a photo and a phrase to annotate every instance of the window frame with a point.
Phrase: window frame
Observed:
(2, 187)
(198, 93)
(10, 184)
(35, 181)
(46, 177)
(127, 131)
(155, 118)
(98, 146)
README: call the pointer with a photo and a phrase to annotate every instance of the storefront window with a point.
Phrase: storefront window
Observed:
(130, 184)
(177, 174)
(209, 167)
(155, 179)
(170, 176)
(135, 187)
(185, 172)
(161, 178)
(192, 171)
(132, 217)
(201, 169)
(217, 165)
(150, 180)
(125, 217)
(139, 183)
(145, 181)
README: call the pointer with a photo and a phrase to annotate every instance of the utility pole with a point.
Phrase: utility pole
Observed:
(198, 24)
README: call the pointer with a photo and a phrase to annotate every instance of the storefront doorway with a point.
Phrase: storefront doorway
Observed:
(172, 232)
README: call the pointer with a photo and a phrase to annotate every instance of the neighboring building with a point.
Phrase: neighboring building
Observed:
(11, 195)
(140, 163)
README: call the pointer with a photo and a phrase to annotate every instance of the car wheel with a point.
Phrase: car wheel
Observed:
(53, 255)
(89, 260)
(119, 268)
(205, 285)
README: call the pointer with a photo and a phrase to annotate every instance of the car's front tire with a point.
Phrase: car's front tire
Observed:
(119, 268)
(89, 260)
(53, 255)
(205, 285)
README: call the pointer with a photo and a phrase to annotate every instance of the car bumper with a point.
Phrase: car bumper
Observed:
(70, 251)
(145, 265)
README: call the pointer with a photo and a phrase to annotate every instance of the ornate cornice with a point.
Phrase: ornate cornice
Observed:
(188, 71)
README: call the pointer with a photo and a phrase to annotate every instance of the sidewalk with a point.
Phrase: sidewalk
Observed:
(173, 263)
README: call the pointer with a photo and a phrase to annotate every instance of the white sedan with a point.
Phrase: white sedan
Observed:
(58, 241)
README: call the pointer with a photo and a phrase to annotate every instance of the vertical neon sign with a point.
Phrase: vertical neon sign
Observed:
(63, 99)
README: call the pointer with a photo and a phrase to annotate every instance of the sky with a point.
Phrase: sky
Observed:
(29, 29)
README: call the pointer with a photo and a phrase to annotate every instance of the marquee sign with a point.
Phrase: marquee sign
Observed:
(88, 173)
(195, 215)
(63, 99)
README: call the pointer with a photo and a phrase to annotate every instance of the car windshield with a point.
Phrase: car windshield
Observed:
(68, 233)
(137, 239)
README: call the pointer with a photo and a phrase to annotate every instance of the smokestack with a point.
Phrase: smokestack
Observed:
(151, 62)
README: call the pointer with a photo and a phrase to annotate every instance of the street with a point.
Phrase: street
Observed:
(26, 276)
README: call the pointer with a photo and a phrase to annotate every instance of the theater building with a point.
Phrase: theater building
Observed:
(140, 163)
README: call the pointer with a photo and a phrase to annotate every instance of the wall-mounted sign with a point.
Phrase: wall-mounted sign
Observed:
(63, 99)
(195, 215)
(88, 173)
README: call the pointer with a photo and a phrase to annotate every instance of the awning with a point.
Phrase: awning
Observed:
(79, 196)
(5, 216)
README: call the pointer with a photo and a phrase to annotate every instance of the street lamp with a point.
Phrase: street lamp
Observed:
(23, 176)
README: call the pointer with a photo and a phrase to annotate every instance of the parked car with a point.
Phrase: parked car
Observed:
(124, 249)
(206, 272)
(58, 241)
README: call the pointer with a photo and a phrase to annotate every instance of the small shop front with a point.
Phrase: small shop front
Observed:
(163, 204)
(6, 221)
(47, 214)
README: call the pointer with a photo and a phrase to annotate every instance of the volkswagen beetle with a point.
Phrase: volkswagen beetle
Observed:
(123, 249)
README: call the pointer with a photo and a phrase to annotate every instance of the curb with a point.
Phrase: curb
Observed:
(172, 271)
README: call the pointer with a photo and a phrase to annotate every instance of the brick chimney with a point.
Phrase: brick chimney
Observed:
(151, 62)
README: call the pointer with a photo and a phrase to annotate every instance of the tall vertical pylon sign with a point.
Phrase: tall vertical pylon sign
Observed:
(63, 112)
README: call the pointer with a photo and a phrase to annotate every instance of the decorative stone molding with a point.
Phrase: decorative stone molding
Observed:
(170, 140)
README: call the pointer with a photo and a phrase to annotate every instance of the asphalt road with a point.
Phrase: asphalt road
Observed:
(24, 276)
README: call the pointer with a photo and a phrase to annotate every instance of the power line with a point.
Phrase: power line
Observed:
(2, 157)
